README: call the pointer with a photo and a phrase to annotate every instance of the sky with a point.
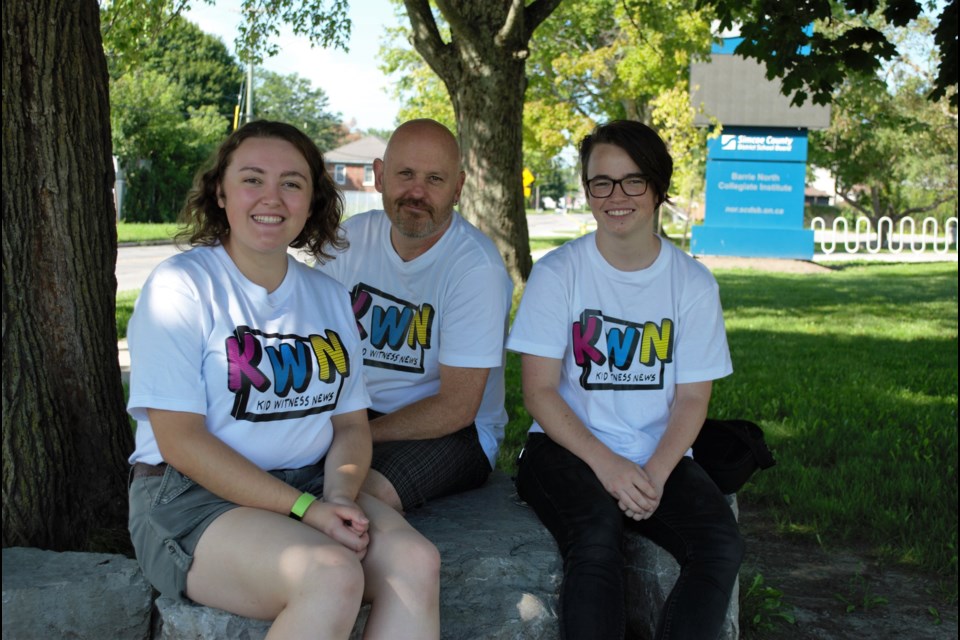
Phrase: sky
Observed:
(353, 83)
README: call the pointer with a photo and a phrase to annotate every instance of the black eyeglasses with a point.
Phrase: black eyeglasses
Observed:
(602, 187)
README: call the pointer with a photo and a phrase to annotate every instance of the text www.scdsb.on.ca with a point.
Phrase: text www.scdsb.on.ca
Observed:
(768, 210)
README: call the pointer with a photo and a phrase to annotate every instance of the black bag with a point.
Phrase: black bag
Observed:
(730, 451)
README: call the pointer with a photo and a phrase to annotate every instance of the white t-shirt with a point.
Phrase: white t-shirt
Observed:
(447, 306)
(267, 370)
(625, 338)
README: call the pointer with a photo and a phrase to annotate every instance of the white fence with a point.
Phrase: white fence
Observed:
(360, 201)
(898, 236)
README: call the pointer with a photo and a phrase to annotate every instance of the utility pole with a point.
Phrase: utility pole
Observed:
(236, 109)
(249, 115)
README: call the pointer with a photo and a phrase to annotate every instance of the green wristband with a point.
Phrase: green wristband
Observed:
(300, 506)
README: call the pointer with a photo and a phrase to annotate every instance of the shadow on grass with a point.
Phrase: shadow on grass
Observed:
(865, 434)
(892, 292)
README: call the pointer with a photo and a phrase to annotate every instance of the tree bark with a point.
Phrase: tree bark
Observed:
(65, 432)
(483, 68)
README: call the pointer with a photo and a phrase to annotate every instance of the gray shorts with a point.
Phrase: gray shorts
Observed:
(169, 513)
(422, 470)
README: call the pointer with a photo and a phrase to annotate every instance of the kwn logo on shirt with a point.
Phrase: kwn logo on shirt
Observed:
(299, 376)
(619, 354)
(395, 333)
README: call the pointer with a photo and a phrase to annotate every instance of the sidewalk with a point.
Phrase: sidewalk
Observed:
(124, 358)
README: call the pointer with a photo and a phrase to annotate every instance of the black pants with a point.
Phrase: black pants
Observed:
(693, 523)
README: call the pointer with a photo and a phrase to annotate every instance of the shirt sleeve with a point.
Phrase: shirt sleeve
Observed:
(540, 326)
(702, 352)
(166, 343)
(475, 319)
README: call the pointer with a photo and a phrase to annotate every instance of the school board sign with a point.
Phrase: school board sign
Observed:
(756, 167)
(754, 199)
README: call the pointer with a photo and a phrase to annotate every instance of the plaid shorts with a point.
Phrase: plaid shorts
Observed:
(422, 470)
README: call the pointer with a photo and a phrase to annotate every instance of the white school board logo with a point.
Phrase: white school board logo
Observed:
(741, 142)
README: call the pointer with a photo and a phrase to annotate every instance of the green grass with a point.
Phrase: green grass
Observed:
(537, 244)
(145, 231)
(853, 375)
(125, 300)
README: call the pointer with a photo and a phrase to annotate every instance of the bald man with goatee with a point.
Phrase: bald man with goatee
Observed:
(431, 296)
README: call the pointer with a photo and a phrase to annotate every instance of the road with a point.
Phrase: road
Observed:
(134, 263)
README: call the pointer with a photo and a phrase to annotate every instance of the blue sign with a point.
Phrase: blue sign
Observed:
(727, 46)
(755, 194)
(754, 199)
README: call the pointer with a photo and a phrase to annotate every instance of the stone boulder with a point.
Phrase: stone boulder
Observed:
(74, 595)
(501, 571)
(500, 574)
(499, 580)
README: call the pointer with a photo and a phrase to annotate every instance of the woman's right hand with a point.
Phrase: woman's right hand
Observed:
(343, 521)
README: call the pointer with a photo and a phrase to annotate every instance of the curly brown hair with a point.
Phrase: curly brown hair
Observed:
(204, 222)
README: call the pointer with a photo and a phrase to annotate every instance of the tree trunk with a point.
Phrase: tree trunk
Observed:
(65, 432)
(488, 105)
(483, 68)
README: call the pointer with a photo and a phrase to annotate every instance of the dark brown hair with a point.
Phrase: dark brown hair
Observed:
(204, 222)
(642, 144)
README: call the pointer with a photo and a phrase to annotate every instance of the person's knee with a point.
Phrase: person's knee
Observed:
(404, 563)
(430, 556)
(325, 571)
(378, 486)
(722, 556)
(728, 543)
(736, 550)
(416, 557)
(422, 560)
(596, 551)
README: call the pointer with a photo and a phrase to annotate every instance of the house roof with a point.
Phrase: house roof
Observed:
(362, 151)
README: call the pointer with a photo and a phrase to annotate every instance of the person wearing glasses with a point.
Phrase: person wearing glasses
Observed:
(621, 336)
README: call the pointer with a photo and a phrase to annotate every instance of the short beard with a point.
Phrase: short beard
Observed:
(423, 227)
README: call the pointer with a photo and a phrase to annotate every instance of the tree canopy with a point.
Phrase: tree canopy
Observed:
(418, 89)
(815, 64)
(160, 142)
(171, 102)
(599, 60)
(590, 61)
(892, 150)
(292, 98)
